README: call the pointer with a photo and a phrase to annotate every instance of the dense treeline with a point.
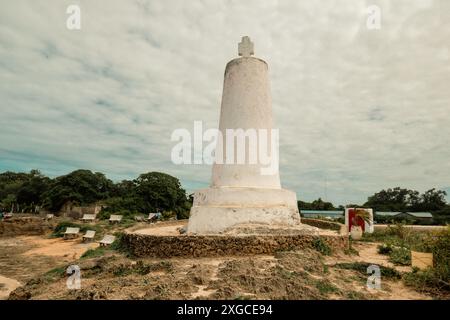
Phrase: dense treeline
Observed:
(400, 199)
(153, 191)
(392, 199)
(318, 204)
(397, 200)
(156, 191)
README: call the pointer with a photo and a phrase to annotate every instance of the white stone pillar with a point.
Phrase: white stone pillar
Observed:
(246, 105)
(240, 193)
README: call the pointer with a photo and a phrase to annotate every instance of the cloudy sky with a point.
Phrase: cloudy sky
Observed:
(358, 110)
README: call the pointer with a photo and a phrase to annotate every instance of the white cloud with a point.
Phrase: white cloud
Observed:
(358, 110)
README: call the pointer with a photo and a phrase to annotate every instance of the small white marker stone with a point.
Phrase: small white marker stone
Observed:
(245, 47)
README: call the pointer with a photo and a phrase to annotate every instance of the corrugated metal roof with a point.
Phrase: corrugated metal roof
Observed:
(387, 213)
(414, 214)
(421, 214)
(333, 212)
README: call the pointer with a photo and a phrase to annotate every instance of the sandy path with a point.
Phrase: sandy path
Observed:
(368, 252)
(6, 286)
(390, 290)
(24, 257)
(57, 247)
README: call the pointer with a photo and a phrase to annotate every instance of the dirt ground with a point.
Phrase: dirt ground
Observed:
(367, 253)
(6, 286)
(39, 263)
(23, 258)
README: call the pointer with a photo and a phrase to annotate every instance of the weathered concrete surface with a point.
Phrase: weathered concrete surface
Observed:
(243, 192)
(216, 209)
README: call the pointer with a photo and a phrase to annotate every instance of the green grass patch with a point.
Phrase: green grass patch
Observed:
(326, 287)
(321, 246)
(93, 253)
(400, 256)
(361, 267)
(54, 274)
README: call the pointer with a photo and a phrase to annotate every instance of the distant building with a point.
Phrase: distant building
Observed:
(419, 216)
(69, 209)
(322, 213)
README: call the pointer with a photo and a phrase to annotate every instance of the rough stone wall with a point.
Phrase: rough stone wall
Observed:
(323, 224)
(201, 246)
(24, 226)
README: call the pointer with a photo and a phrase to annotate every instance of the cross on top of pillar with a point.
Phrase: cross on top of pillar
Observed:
(245, 47)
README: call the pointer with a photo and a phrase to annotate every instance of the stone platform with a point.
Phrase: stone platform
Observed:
(217, 209)
(163, 240)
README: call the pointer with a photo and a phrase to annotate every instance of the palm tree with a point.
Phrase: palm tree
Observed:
(360, 214)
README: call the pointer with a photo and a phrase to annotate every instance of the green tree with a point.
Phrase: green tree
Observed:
(432, 200)
(392, 199)
(160, 191)
(31, 191)
(10, 183)
(318, 204)
(8, 202)
(81, 186)
(400, 199)
(21, 189)
(124, 188)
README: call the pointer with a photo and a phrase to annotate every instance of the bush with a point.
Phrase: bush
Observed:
(384, 248)
(400, 255)
(397, 230)
(182, 214)
(166, 215)
(440, 243)
(429, 281)
(321, 246)
(118, 244)
(434, 280)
